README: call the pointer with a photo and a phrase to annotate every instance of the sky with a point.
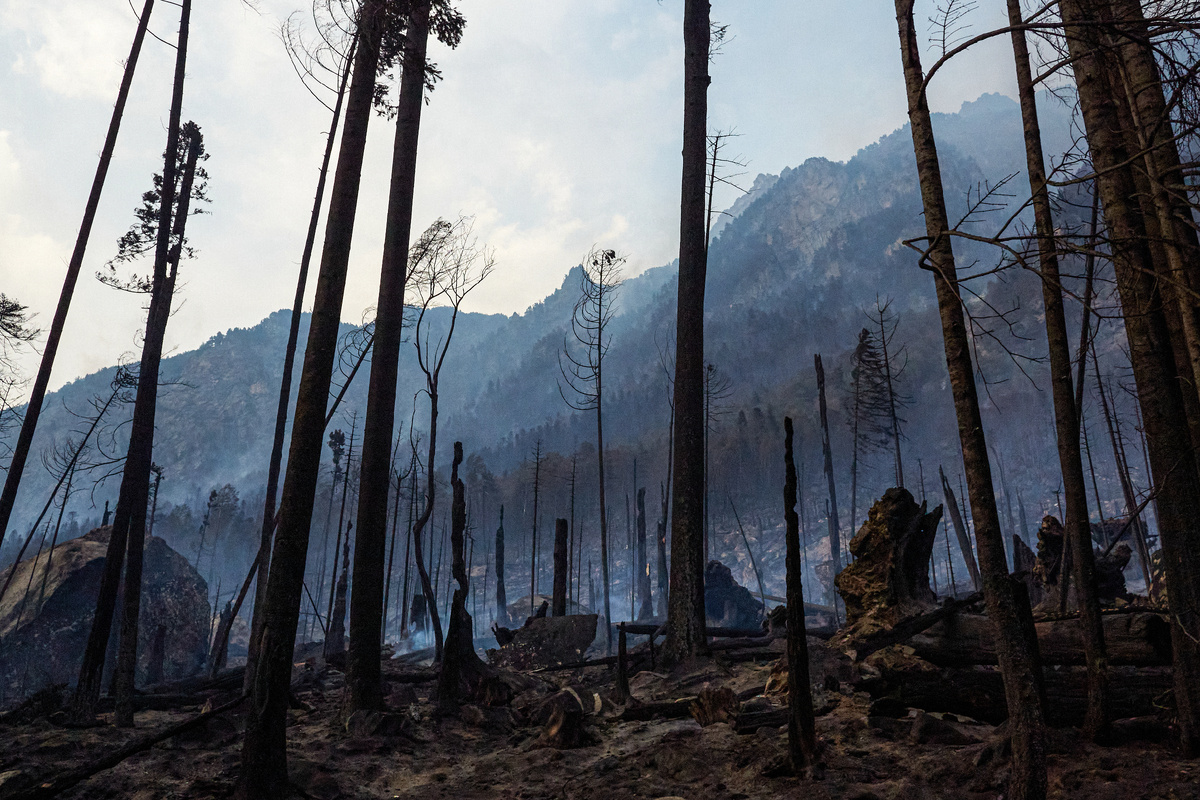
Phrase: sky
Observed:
(557, 126)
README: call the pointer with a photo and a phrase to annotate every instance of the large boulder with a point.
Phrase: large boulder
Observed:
(46, 615)
(889, 579)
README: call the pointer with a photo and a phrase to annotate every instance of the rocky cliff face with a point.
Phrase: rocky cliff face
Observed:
(47, 613)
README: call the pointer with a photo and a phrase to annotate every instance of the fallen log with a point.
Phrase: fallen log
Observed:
(651, 628)
(1137, 639)
(751, 721)
(907, 628)
(978, 692)
(667, 709)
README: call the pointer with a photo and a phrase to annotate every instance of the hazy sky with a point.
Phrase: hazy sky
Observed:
(557, 125)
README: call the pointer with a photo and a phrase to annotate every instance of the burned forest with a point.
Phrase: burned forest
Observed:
(477, 406)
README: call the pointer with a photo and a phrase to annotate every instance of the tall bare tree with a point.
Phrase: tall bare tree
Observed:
(366, 606)
(263, 561)
(1016, 653)
(685, 606)
(264, 753)
(129, 522)
(449, 265)
(583, 373)
(1066, 412)
(37, 395)
(1153, 352)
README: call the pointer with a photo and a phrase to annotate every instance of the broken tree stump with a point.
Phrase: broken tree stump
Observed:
(889, 580)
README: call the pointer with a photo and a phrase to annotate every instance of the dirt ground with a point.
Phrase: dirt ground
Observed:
(476, 752)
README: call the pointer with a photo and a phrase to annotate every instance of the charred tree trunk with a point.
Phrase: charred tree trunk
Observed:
(129, 522)
(533, 549)
(501, 599)
(156, 328)
(685, 630)
(264, 756)
(646, 609)
(1152, 355)
(463, 675)
(263, 561)
(558, 606)
(1066, 413)
(661, 534)
(960, 530)
(37, 394)
(337, 540)
(1019, 663)
(802, 731)
(603, 511)
(835, 540)
(366, 609)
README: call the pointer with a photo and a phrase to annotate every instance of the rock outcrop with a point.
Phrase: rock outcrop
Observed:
(47, 613)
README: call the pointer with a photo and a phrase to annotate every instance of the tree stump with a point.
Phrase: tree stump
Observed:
(889, 580)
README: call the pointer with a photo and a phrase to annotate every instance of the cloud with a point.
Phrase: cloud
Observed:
(557, 125)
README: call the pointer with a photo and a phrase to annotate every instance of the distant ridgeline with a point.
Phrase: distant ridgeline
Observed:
(795, 273)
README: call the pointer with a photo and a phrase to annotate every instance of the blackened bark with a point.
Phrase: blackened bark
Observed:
(1066, 414)
(501, 599)
(802, 729)
(835, 539)
(960, 531)
(1152, 355)
(1018, 664)
(129, 521)
(463, 674)
(264, 754)
(37, 394)
(263, 562)
(127, 655)
(603, 504)
(664, 579)
(537, 475)
(558, 606)
(646, 608)
(335, 637)
(685, 606)
(337, 541)
(366, 606)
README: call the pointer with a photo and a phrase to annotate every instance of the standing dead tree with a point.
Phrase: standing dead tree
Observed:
(37, 395)
(463, 676)
(870, 408)
(892, 373)
(450, 265)
(719, 166)
(264, 753)
(501, 599)
(159, 228)
(583, 373)
(263, 561)
(835, 534)
(533, 542)
(802, 730)
(1115, 84)
(717, 389)
(685, 606)
(366, 612)
(1017, 654)
(1066, 407)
